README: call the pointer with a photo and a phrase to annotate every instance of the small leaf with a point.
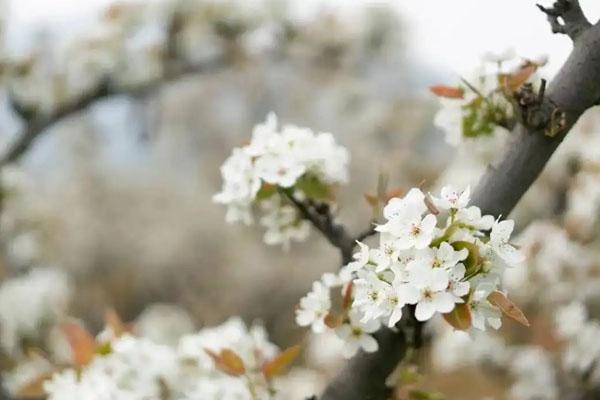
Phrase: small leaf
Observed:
(113, 321)
(266, 190)
(332, 320)
(314, 189)
(372, 200)
(227, 361)
(83, 343)
(278, 364)
(424, 395)
(479, 118)
(473, 261)
(516, 80)
(460, 317)
(408, 376)
(347, 301)
(390, 194)
(509, 308)
(450, 92)
(430, 206)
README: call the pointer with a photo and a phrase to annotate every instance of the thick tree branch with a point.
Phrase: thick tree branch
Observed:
(569, 11)
(575, 89)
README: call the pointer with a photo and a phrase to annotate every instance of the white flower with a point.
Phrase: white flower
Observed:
(30, 302)
(472, 217)
(483, 313)
(457, 286)
(431, 284)
(570, 319)
(499, 242)
(442, 257)
(283, 223)
(264, 137)
(413, 204)
(452, 198)
(370, 293)
(356, 335)
(314, 307)
(279, 170)
(411, 231)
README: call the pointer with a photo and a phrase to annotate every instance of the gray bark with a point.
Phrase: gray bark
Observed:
(575, 89)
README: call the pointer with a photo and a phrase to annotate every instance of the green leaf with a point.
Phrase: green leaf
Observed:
(265, 192)
(473, 262)
(314, 188)
(424, 395)
(478, 118)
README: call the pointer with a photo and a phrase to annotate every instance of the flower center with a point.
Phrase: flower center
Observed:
(427, 294)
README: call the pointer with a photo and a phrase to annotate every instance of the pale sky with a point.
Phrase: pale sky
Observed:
(447, 34)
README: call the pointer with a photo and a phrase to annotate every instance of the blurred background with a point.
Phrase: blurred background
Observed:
(115, 117)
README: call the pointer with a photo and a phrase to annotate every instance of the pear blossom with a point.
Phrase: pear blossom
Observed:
(453, 199)
(440, 265)
(291, 159)
(483, 312)
(431, 284)
(411, 232)
(357, 335)
(314, 307)
(499, 242)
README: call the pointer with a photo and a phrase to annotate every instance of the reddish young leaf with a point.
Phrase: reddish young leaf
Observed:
(508, 307)
(227, 361)
(113, 321)
(430, 206)
(451, 92)
(347, 301)
(390, 194)
(372, 200)
(460, 317)
(83, 344)
(517, 79)
(278, 364)
(332, 321)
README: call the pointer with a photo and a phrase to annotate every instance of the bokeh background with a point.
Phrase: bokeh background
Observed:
(119, 194)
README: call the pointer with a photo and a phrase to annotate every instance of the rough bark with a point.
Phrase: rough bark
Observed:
(575, 89)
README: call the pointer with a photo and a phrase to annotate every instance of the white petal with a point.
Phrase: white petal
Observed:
(501, 231)
(408, 294)
(510, 255)
(443, 302)
(368, 343)
(350, 348)
(424, 311)
(395, 317)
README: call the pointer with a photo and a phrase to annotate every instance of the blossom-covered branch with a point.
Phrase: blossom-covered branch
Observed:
(575, 89)
(37, 125)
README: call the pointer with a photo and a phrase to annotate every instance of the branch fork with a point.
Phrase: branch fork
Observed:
(566, 17)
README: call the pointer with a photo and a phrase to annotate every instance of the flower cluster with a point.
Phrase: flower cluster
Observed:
(29, 304)
(228, 362)
(436, 254)
(279, 165)
(484, 105)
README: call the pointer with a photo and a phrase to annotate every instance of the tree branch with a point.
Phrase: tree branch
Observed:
(320, 216)
(36, 125)
(569, 11)
(575, 89)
